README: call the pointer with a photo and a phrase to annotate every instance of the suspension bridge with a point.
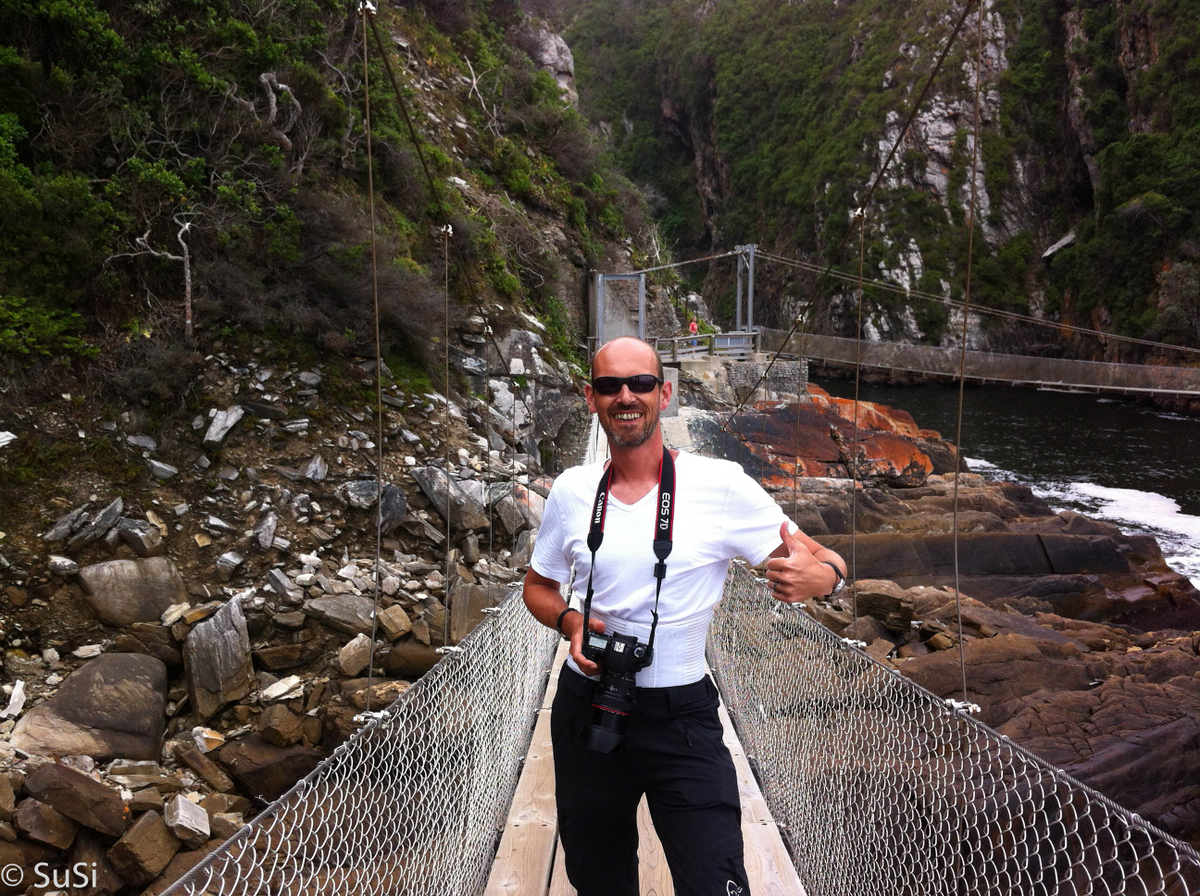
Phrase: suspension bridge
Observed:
(863, 782)
(855, 782)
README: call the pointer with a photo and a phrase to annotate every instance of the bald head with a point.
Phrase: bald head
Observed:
(624, 352)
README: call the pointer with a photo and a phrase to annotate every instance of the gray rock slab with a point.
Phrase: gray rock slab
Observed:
(122, 592)
(96, 527)
(264, 529)
(144, 537)
(350, 613)
(316, 469)
(222, 423)
(393, 508)
(65, 524)
(187, 821)
(360, 493)
(216, 656)
(61, 566)
(112, 707)
(451, 499)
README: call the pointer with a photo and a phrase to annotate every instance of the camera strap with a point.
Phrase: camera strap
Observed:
(663, 531)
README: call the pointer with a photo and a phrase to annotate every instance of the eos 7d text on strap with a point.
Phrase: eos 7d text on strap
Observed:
(620, 656)
(663, 532)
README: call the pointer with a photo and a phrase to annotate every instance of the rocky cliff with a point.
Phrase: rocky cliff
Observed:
(765, 122)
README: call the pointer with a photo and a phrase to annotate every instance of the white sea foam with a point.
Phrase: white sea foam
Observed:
(1133, 510)
(977, 464)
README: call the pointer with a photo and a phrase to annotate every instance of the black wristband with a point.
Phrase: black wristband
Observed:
(839, 582)
(561, 616)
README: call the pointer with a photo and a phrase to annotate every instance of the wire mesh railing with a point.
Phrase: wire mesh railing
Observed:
(880, 787)
(415, 801)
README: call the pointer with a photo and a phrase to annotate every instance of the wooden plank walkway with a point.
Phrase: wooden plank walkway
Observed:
(529, 862)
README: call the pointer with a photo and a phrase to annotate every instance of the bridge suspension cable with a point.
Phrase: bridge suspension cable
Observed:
(885, 286)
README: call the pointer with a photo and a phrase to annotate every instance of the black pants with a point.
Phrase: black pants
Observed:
(673, 753)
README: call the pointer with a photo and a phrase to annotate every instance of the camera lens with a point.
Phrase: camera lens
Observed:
(610, 707)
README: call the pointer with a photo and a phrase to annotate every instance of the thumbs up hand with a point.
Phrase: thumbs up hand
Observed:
(794, 573)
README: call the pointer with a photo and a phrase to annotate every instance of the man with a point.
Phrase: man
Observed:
(672, 748)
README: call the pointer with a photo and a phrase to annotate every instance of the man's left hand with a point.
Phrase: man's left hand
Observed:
(794, 573)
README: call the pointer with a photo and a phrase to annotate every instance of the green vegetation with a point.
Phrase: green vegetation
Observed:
(142, 139)
(779, 109)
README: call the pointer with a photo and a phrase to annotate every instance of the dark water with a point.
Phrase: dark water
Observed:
(1107, 457)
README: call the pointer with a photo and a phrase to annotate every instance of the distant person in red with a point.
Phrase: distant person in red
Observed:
(693, 328)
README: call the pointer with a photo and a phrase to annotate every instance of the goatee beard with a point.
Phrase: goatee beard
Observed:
(632, 440)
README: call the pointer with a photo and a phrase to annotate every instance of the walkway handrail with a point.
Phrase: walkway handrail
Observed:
(995, 367)
(414, 802)
(882, 788)
(737, 345)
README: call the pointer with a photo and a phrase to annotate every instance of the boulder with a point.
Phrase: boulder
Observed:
(288, 656)
(378, 695)
(182, 862)
(279, 725)
(264, 770)
(356, 654)
(187, 821)
(467, 603)
(212, 774)
(24, 854)
(80, 798)
(44, 824)
(394, 622)
(867, 629)
(350, 613)
(89, 854)
(8, 799)
(112, 707)
(409, 658)
(216, 656)
(122, 592)
(451, 499)
(145, 850)
(884, 601)
(152, 640)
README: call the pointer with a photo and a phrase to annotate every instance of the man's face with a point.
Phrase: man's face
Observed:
(628, 418)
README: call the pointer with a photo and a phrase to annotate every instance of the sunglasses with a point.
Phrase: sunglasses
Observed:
(611, 385)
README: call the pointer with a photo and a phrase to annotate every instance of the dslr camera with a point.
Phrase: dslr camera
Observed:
(620, 657)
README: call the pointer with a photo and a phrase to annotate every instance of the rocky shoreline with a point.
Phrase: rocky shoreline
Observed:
(1079, 642)
(178, 656)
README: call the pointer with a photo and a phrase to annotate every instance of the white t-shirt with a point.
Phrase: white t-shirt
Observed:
(720, 513)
